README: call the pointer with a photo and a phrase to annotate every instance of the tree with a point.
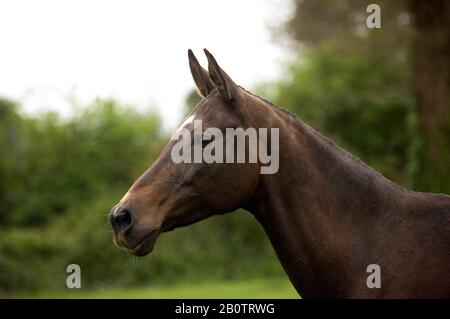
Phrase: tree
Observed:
(431, 66)
(414, 31)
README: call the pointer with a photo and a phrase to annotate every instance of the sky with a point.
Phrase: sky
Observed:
(57, 53)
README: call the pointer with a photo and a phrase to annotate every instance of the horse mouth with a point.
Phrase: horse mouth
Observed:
(146, 245)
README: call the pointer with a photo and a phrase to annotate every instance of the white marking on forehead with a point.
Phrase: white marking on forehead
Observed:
(186, 122)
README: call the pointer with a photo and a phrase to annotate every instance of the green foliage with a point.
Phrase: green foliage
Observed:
(47, 165)
(431, 167)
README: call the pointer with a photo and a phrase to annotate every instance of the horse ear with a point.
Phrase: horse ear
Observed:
(227, 88)
(200, 75)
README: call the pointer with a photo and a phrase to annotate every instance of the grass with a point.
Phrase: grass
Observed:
(255, 288)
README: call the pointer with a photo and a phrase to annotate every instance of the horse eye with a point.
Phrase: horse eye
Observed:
(206, 141)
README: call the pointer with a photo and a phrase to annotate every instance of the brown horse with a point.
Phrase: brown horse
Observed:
(326, 213)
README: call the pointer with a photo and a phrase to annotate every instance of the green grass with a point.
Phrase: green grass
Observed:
(256, 288)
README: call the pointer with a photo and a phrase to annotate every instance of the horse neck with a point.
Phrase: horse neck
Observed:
(318, 208)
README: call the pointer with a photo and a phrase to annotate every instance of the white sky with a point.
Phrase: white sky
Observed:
(52, 51)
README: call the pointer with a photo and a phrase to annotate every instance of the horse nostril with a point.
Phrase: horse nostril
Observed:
(122, 221)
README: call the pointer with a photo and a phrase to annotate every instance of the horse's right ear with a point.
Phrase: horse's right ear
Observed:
(227, 88)
(200, 75)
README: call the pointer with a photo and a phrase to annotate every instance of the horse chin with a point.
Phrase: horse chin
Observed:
(146, 245)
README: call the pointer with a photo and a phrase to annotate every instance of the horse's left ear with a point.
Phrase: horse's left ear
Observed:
(227, 88)
(200, 75)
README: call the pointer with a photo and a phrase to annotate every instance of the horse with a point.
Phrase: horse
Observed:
(327, 214)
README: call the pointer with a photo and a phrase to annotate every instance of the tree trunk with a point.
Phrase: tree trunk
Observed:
(432, 52)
